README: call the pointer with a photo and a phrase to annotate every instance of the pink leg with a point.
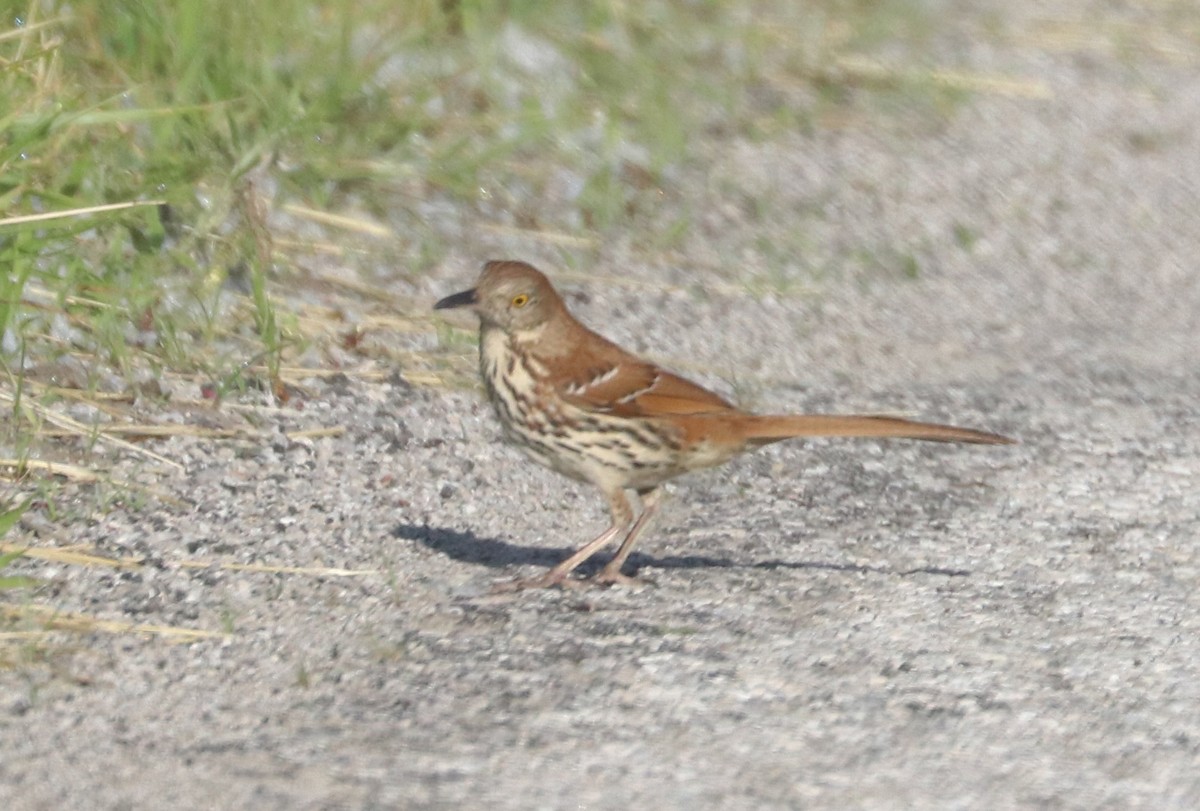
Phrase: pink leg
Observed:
(611, 573)
(622, 515)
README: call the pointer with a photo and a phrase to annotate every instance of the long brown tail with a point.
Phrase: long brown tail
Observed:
(765, 428)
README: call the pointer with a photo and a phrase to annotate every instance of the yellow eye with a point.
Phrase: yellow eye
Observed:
(520, 300)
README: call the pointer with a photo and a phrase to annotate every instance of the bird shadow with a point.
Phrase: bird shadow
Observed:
(468, 547)
(471, 548)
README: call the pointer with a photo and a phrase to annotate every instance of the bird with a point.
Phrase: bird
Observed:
(584, 407)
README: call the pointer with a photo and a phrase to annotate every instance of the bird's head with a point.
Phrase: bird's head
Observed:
(513, 296)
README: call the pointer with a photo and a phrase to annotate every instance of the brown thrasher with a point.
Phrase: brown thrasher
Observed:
(581, 405)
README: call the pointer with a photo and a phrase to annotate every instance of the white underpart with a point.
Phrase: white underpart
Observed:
(611, 452)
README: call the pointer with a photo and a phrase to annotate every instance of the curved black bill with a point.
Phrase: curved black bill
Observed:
(463, 299)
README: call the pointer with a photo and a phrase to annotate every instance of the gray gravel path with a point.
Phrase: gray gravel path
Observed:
(833, 624)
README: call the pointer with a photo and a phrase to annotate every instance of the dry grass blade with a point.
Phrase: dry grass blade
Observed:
(315, 571)
(96, 399)
(29, 28)
(73, 556)
(72, 472)
(67, 423)
(430, 379)
(82, 475)
(996, 85)
(77, 212)
(340, 221)
(160, 430)
(53, 620)
(39, 295)
(861, 69)
(69, 556)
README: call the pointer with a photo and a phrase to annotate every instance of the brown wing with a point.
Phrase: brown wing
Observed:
(672, 394)
(629, 387)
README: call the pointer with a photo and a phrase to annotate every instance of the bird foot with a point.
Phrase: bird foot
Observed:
(606, 577)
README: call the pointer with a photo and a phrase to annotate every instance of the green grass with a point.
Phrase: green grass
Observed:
(9, 516)
(235, 130)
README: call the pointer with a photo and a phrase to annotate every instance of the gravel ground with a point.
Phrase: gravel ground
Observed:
(832, 624)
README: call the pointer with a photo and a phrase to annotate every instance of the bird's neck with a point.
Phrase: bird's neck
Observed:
(555, 337)
(528, 338)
